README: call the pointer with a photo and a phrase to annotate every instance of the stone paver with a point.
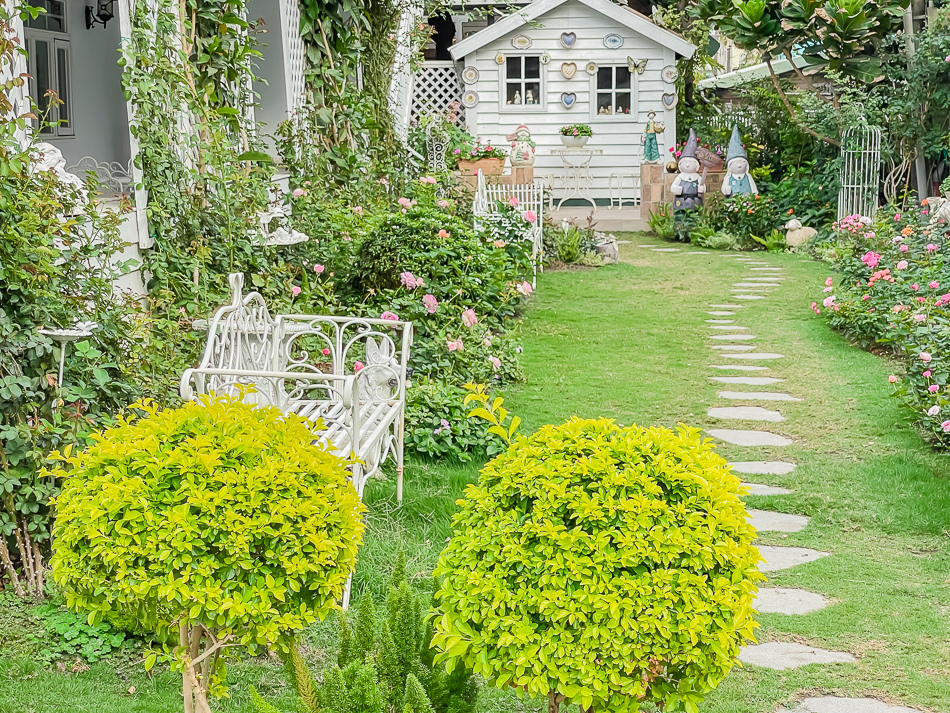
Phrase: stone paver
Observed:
(747, 380)
(766, 269)
(833, 704)
(746, 413)
(768, 521)
(782, 655)
(735, 326)
(667, 250)
(727, 306)
(732, 337)
(757, 396)
(767, 278)
(627, 242)
(732, 347)
(720, 313)
(754, 285)
(763, 467)
(778, 558)
(739, 367)
(645, 246)
(759, 489)
(757, 356)
(698, 252)
(749, 438)
(788, 601)
(721, 321)
(749, 297)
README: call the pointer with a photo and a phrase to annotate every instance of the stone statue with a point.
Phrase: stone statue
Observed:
(529, 97)
(798, 235)
(689, 185)
(517, 97)
(651, 149)
(50, 158)
(737, 181)
(522, 147)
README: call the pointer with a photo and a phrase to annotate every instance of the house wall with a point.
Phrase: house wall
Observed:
(275, 93)
(99, 110)
(618, 137)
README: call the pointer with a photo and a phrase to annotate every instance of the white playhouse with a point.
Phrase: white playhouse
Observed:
(559, 62)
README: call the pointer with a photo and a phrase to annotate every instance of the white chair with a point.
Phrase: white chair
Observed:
(617, 179)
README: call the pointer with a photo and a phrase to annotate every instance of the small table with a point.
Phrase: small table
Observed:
(577, 178)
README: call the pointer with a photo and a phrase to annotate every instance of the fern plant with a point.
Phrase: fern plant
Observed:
(661, 221)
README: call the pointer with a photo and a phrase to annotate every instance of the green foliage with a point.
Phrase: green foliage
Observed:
(300, 676)
(238, 495)
(491, 411)
(260, 705)
(364, 643)
(576, 130)
(661, 221)
(773, 243)
(612, 565)
(67, 636)
(569, 245)
(415, 697)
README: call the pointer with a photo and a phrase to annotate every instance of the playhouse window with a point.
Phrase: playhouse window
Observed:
(522, 81)
(49, 65)
(614, 91)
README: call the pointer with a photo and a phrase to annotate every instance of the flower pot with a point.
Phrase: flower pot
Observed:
(488, 166)
(574, 142)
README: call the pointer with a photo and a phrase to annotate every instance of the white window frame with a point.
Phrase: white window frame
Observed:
(503, 105)
(58, 42)
(634, 91)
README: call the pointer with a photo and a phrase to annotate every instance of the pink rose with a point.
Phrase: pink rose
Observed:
(945, 426)
(897, 217)
(931, 248)
(357, 366)
(525, 288)
(319, 269)
(443, 233)
(443, 204)
(934, 285)
(530, 216)
(915, 287)
(925, 357)
(830, 281)
(469, 319)
(814, 308)
(892, 379)
(358, 209)
(392, 316)
(828, 301)
(933, 410)
(866, 297)
(298, 192)
(933, 388)
(495, 362)
(927, 374)
(903, 248)
(295, 290)
(430, 303)
(404, 202)
(408, 280)
(902, 265)
(326, 352)
(514, 202)
(920, 318)
(454, 345)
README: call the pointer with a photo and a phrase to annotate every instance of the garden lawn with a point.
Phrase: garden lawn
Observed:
(629, 342)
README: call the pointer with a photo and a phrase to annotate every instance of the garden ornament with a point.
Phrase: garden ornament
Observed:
(49, 158)
(651, 150)
(738, 181)
(522, 147)
(798, 235)
(688, 186)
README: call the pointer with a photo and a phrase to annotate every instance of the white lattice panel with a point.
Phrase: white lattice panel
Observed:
(18, 96)
(435, 86)
(295, 56)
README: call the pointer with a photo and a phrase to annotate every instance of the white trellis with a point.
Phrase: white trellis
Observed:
(435, 86)
(860, 171)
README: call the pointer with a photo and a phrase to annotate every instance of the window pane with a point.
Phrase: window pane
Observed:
(532, 67)
(41, 80)
(532, 93)
(622, 103)
(62, 76)
(514, 67)
(54, 24)
(604, 104)
(623, 77)
(514, 93)
(605, 77)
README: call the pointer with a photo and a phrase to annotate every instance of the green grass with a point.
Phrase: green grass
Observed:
(629, 342)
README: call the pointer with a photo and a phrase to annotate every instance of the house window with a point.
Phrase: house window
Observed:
(522, 84)
(614, 90)
(50, 67)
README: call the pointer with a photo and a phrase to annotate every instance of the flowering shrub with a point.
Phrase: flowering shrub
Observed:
(894, 290)
(750, 214)
(478, 150)
(576, 130)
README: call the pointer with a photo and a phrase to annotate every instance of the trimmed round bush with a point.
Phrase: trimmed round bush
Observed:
(217, 516)
(600, 565)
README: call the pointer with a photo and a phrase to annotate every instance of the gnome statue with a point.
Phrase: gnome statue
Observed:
(522, 147)
(737, 181)
(688, 186)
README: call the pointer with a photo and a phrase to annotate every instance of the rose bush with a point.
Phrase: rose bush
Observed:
(893, 289)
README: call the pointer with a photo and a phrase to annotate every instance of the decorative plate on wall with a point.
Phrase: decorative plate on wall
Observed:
(569, 39)
(568, 69)
(521, 42)
(637, 65)
(670, 73)
(670, 100)
(499, 58)
(545, 58)
(470, 99)
(470, 75)
(613, 42)
(568, 99)
(591, 68)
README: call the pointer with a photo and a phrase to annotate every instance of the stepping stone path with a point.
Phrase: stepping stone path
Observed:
(788, 601)
(666, 250)
(732, 327)
(749, 438)
(768, 521)
(778, 558)
(721, 314)
(833, 704)
(780, 655)
(757, 396)
(746, 413)
(759, 467)
(732, 337)
(732, 348)
(749, 297)
(722, 321)
(727, 306)
(747, 380)
(758, 489)
(740, 367)
(755, 285)
(766, 269)
(756, 356)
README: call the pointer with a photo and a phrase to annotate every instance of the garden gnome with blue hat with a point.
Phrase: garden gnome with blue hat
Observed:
(689, 185)
(738, 181)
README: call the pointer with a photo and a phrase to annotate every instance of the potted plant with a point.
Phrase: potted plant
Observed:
(945, 188)
(574, 136)
(486, 158)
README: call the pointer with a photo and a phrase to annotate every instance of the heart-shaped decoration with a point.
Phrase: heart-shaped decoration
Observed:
(568, 99)
(568, 39)
(568, 69)
(670, 100)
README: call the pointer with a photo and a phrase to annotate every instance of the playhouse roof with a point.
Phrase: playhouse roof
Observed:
(622, 14)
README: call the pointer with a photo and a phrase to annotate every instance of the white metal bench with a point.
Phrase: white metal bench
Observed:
(305, 364)
(530, 196)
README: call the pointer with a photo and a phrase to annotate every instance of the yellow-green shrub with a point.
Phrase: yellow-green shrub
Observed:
(600, 565)
(218, 519)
